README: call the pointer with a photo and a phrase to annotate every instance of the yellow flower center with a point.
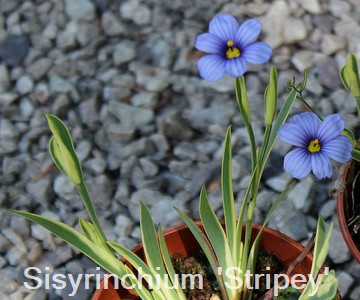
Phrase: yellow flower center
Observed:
(232, 51)
(314, 146)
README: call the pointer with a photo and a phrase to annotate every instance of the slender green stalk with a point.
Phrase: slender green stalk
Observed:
(356, 154)
(85, 197)
(357, 101)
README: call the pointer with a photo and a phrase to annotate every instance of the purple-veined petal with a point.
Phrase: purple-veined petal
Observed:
(321, 165)
(211, 67)
(294, 135)
(257, 53)
(330, 128)
(235, 67)
(298, 163)
(210, 43)
(338, 149)
(308, 122)
(224, 26)
(248, 32)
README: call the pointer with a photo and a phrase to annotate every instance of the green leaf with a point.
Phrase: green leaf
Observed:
(270, 97)
(148, 235)
(228, 195)
(98, 254)
(89, 231)
(140, 266)
(206, 247)
(64, 154)
(322, 244)
(321, 249)
(168, 264)
(217, 238)
(327, 288)
(242, 258)
(152, 250)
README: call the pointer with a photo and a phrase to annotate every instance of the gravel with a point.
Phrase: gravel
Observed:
(123, 77)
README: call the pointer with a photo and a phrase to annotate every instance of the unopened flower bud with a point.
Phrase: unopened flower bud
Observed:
(270, 97)
(349, 75)
(62, 150)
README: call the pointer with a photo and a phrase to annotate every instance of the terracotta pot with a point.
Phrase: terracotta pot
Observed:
(180, 241)
(344, 201)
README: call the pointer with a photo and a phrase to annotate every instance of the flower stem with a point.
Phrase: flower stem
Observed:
(85, 197)
(357, 101)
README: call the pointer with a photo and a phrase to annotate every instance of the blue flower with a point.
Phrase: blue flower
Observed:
(230, 47)
(316, 143)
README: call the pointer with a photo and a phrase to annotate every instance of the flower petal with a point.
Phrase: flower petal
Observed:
(321, 165)
(247, 33)
(309, 123)
(210, 43)
(298, 163)
(235, 67)
(211, 67)
(224, 26)
(331, 127)
(338, 149)
(294, 135)
(257, 53)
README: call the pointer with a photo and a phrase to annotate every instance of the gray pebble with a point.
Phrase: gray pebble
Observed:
(355, 293)
(345, 282)
(135, 11)
(13, 49)
(124, 52)
(4, 78)
(174, 126)
(7, 98)
(328, 73)
(279, 183)
(83, 10)
(59, 85)
(97, 165)
(112, 24)
(24, 85)
(131, 116)
(41, 191)
(338, 252)
(40, 67)
(328, 209)
(153, 79)
(4, 244)
(301, 193)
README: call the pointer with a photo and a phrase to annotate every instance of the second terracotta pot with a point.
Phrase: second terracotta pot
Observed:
(344, 204)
